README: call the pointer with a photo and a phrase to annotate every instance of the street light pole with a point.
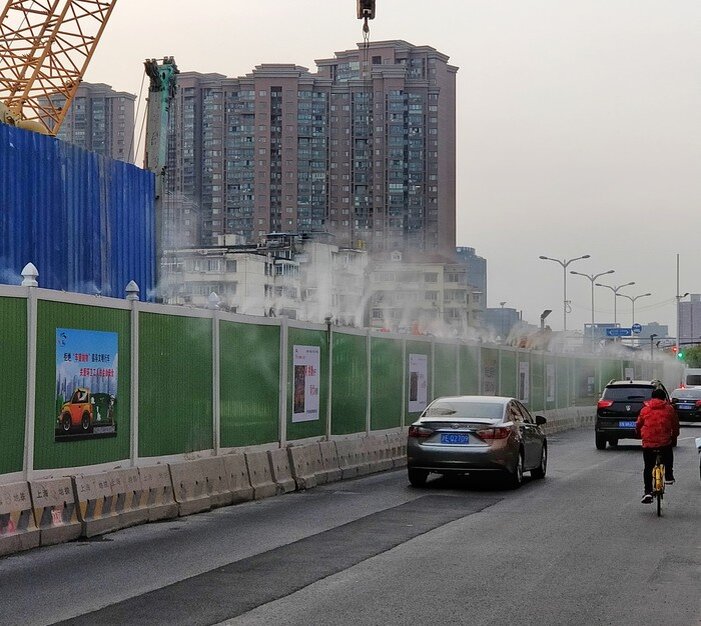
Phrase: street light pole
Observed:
(592, 278)
(633, 299)
(615, 293)
(564, 263)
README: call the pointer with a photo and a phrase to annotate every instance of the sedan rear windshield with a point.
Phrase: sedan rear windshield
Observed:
(628, 393)
(488, 410)
(687, 393)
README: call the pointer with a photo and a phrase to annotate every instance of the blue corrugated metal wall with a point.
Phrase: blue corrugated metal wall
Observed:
(85, 221)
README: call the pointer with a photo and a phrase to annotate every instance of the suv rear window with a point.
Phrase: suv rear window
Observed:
(627, 392)
(693, 379)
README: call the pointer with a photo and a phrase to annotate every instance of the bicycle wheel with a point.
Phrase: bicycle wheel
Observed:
(659, 504)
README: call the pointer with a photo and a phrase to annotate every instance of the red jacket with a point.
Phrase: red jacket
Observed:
(657, 424)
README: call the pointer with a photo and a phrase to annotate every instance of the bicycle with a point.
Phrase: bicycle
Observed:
(658, 481)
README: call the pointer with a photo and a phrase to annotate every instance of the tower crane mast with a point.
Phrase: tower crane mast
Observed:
(45, 49)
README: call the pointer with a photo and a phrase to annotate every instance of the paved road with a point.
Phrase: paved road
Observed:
(576, 548)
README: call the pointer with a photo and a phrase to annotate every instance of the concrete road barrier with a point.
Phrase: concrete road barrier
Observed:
(237, 475)
(55, 510)
(349, 457)
(397, 448)
(282, 472)
(130, 499)
(96, 509)
(260, 473)
(305, 462)
(189, 487)
(376, 449)
(158, 491)
(329, 461)
(217, 481)
(18, 529)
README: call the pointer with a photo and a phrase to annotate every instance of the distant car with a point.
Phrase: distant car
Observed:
(618, 410)
(466, 434)
(687, 403)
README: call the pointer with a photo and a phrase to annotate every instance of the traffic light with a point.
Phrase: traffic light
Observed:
(680, 354)
(675, 349)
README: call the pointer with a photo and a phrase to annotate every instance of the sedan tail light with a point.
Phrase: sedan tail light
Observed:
(420, 432)
(604, 404)
(500, 432)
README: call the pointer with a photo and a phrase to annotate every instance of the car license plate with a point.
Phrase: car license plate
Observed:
(685, 406)
(454, 438)
(626, 424)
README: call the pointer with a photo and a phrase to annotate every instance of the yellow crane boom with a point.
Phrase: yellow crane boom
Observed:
(45, 48)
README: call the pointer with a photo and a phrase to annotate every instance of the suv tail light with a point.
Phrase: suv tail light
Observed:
(604, 404)
(500, 432)
(420, 432)
(698, 403)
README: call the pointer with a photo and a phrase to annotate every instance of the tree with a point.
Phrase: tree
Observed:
(692, 356)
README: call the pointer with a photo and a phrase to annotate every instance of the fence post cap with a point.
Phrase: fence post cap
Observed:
(132, 290)
(30, 275)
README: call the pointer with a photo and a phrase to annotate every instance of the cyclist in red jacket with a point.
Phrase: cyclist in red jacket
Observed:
(658, 427)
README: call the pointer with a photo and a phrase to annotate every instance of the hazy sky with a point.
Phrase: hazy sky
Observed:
(578, 124)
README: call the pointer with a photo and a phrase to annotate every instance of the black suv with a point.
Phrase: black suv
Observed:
(619, 408)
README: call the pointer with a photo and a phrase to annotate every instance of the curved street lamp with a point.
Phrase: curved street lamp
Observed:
(633, 299)
(615, 293)
(564, 263)
(592, 278)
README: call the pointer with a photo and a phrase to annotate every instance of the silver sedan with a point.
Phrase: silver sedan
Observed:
(466, 434)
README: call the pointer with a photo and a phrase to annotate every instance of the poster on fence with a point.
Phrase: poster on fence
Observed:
(524, 382)
(418, 382)
(86, 384)
(550, 383)
(490, 375)
(306, 364)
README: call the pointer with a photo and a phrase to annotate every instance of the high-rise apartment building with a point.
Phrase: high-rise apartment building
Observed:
(364, 150)
(476, 270)
(101, 120)
(689, 315)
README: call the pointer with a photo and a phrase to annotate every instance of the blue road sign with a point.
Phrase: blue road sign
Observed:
(636, 328)
(619, 332)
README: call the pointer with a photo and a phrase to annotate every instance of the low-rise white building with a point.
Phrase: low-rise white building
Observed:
(425, 296)
(284, 275)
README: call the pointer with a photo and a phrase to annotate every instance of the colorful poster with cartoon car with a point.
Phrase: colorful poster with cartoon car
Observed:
(86, 384)
(305, 390)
